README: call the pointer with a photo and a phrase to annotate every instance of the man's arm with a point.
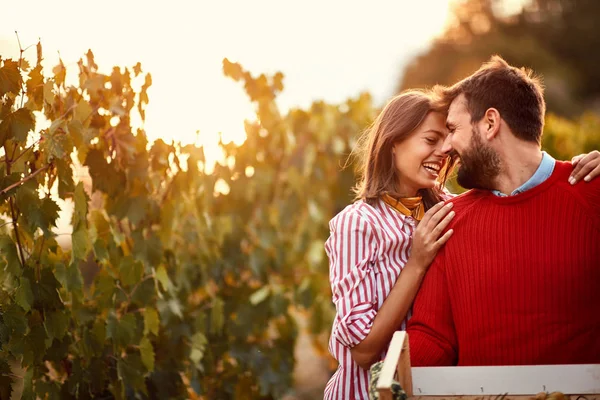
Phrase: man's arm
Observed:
(431, 329)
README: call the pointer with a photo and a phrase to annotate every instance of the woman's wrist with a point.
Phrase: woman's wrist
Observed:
(417, 266)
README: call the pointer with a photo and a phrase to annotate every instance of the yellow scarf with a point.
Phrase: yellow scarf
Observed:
(409, 206)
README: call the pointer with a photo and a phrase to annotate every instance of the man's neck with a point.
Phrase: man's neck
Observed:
(518, 165)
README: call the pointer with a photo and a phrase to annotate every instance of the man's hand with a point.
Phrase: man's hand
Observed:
(586, 166)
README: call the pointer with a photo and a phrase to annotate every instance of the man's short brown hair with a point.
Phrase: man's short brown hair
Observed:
(515, 92)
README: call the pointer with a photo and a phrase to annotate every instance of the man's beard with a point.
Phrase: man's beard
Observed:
(479, 165)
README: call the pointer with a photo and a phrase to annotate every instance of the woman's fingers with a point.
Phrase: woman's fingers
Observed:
(595, 172)
(575, 160)
(438, 216)
(431, 212)
(441, 241)
(588, 165)
(588, 168)
(443, 224)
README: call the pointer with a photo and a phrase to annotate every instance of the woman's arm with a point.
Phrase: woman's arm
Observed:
(426, 243)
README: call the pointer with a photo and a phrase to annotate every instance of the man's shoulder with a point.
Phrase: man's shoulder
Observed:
(467, 199)
(587, 192)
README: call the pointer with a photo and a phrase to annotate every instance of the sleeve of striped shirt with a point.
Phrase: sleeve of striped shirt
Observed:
(431, 329)
(352, 248)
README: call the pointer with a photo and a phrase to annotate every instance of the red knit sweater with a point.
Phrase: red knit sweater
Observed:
(518, 282)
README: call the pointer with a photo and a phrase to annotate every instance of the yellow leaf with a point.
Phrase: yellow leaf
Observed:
(162, 276)
(147, 352)
(151, 321)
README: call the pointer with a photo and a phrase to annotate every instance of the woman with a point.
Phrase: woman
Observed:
(379, 236)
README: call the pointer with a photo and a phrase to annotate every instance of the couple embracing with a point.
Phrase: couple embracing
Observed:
(507, 273)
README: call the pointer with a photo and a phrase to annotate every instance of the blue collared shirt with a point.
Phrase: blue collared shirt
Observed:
(541, 174)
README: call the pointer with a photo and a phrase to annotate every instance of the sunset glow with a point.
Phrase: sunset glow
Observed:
(326, 50)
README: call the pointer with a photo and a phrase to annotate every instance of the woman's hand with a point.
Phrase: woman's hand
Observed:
(586, 166)
(426, 239)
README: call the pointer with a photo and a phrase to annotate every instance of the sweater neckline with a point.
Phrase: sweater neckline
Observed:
(520, 197)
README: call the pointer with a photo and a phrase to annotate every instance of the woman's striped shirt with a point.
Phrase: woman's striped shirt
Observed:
(367, 248)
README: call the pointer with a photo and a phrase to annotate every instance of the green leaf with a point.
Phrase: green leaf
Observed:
(7, 181)
(8, 252)
(147, 353)
(10, 78)
(131, 271)
(56, 323)
(137, 209)
(124, 331)
(145, 293)
(81, 244)
(199, 343)
(81, 200)
(131, 371)
(217, 316)
(151, 321)
(14, 319)
(28, 385)
(66, 186)
(100, 250)
(45, 291)
(24, 295)
(69, 276)
(43, 214)
(17, 125)
(56, 142)
(36, 342)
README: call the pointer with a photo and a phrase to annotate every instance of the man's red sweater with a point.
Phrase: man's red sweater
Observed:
(519, 281)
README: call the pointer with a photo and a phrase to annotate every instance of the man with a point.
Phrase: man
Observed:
(519, 282)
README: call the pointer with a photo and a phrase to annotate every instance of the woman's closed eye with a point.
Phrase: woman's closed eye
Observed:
(431, 140)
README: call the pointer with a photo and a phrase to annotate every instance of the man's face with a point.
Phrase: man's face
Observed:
(479, 162)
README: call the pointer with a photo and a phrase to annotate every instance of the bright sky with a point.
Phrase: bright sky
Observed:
(327, 49)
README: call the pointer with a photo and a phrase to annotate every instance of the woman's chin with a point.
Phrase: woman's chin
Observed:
(429, 184)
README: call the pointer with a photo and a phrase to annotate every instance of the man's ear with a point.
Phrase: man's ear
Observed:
(492, 122)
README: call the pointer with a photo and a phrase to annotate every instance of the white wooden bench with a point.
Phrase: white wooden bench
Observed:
(506, 382)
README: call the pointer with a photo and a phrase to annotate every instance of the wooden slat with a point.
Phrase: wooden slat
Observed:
(516, 380)
(397, 361)
(469, 383)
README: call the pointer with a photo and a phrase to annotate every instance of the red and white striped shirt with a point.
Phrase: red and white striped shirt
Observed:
(367, 248)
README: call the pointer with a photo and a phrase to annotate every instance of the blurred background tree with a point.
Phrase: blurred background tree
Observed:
(558, 39)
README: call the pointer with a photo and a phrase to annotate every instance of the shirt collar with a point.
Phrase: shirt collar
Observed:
(543, 172)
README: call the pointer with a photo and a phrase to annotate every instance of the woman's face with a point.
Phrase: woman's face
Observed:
(419, 158)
